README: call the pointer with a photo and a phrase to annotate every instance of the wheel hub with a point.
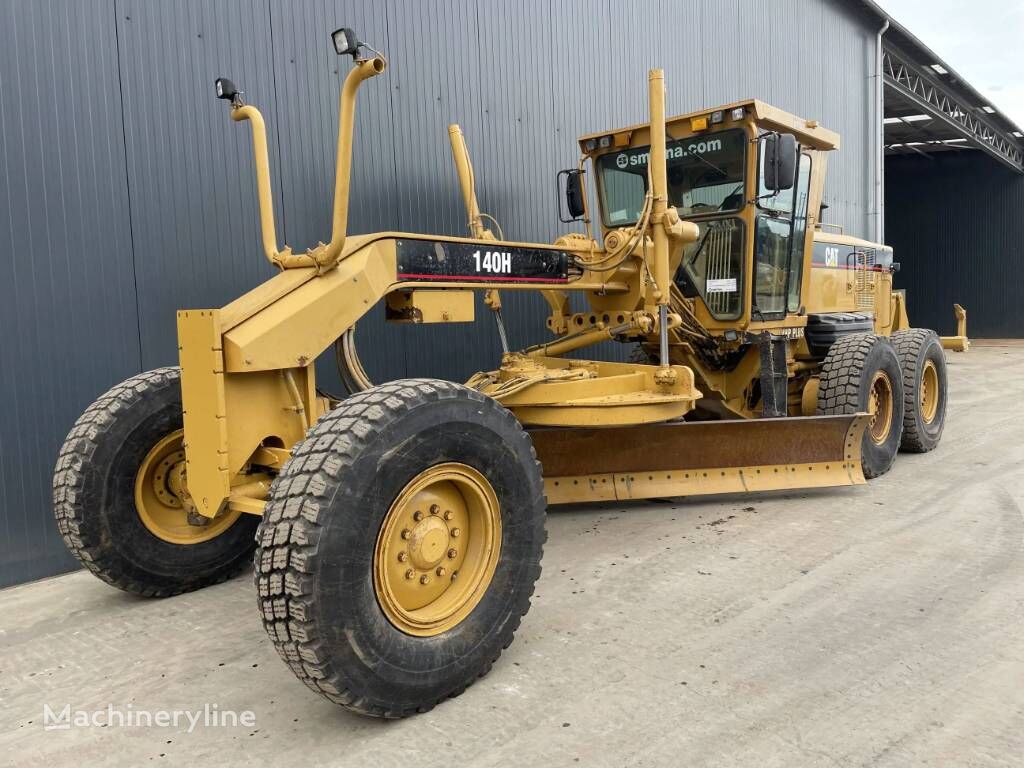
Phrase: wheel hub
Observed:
(880, 407)
(437, 549)
(929, 392)
(162, 500)
(428, 543)
(169, 479)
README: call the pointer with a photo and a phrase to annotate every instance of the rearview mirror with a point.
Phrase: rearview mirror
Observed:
(573, 195)
(779, 161)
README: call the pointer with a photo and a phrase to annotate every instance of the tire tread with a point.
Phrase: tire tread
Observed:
(84, 539)
(288, 536)
(839, 389)
(909, 343)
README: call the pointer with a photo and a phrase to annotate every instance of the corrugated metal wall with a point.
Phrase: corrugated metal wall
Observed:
(68, 308)
(955, 224)
(126, 191)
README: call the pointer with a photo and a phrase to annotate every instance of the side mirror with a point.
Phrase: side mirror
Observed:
(779, 161)
(573, 195)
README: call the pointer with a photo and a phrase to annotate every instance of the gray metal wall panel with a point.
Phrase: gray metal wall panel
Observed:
(67, 300)
(190, 171)
(522, 77)
(428, 92)
(956, 228)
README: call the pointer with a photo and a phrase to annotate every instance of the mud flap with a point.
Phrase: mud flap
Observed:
(695, 458)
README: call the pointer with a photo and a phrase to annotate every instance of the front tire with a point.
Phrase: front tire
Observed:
(114, 495)
(862, 374)
(400, 546)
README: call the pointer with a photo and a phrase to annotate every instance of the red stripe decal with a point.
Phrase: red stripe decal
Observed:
(460, 278)
(822, 265)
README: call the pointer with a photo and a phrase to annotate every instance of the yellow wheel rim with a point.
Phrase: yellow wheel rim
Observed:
(437, 549)
(880, 407)
(160, 496)
(929, 392)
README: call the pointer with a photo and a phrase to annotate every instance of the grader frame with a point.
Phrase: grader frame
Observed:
(248, 384)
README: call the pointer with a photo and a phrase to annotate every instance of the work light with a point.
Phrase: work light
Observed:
(225, 89)
(345, 42)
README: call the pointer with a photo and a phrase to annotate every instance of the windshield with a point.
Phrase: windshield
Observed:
(705, 175)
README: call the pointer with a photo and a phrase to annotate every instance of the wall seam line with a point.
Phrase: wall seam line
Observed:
(128, 186)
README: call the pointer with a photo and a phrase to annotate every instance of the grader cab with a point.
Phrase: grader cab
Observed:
(398, 531)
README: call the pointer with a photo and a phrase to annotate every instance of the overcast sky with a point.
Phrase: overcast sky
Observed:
(983, 40)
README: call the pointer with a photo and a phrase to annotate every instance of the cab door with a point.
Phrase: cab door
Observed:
(780, 227)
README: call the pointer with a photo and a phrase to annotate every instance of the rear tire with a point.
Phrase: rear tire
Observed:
(859, 370)
(95, 496)
(323, 554)
(924, 388)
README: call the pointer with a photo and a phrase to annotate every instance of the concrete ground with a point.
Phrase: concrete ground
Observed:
(878, 625)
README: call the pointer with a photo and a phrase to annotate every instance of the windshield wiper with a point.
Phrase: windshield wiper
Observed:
(726, 199)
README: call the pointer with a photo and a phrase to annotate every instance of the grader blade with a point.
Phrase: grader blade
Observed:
(697, 458)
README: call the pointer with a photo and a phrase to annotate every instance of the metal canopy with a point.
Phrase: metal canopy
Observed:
(929, 108)
(926, 113)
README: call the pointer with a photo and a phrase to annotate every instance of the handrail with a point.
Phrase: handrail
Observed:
(322, 256)
(266, 200)
(363, 70)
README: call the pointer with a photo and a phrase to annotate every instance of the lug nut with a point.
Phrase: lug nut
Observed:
(442, 571)
(410, 573)
(417, 515)
(434, 509)
(403, 556)
(448, 515)
(454, 574)
(455, 533)
(424, 579)
(406, 533)
(452, 553)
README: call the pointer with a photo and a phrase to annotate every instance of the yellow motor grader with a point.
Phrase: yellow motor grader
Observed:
(398, 532)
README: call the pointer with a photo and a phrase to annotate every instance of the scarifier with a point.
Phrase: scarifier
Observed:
(399, 531)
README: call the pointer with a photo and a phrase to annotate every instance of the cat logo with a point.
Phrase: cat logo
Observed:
(831, 257)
